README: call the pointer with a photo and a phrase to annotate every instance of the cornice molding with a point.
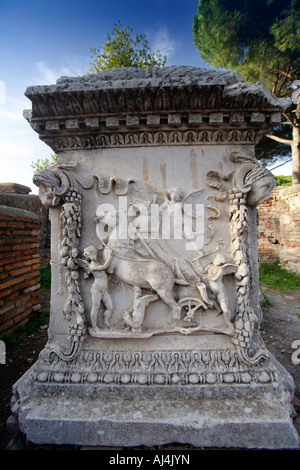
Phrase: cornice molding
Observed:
(151, 139)
(127, 106)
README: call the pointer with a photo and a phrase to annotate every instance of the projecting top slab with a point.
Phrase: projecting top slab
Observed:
(137, 77)
(175, 76)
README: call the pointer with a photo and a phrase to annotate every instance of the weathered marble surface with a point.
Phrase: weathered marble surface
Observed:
(154, 327)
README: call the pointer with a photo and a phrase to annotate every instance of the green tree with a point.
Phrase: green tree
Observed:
(124, 49)
(44, 163)
(260, 41)
(282, 180)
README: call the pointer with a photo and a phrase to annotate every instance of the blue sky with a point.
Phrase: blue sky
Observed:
(42, 40)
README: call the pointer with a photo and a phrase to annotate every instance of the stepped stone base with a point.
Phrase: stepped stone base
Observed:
(227, 415)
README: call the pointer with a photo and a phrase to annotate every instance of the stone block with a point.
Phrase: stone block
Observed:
(174, 120)
(216, 119)
(132, 122)
(153, 121)
(92, 123)
(195, 120)
(154, 331)
(72, 124)
(112, 122)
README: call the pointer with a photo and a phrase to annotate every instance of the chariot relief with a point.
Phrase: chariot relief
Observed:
(180, 259)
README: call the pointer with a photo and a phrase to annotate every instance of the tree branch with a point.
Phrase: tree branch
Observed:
(281, 164)
(276, 80)
(279, 139)
(289, 75)
(289, 120)
(285, 76)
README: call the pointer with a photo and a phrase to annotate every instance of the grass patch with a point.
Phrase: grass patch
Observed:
(33, 324)
(282, 180)
(265, 303)
(275, 277)
(45, 278)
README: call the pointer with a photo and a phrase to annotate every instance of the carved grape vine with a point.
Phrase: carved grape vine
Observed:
(246, 319)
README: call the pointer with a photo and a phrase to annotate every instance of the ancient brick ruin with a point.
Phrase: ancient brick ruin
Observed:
(20, 225)
(278, 229)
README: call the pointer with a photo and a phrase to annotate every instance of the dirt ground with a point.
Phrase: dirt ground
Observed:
(279, 329)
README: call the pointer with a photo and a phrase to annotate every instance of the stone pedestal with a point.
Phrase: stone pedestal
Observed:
(154, 326)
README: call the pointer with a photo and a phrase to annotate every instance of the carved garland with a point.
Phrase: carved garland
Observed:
(246, 319)
(73, 309)
(71, 220)
(56, 188)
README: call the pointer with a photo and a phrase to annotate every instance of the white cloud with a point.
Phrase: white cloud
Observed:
(10, 115)
(164, 42)
(44, 74)
(72, 67)
(19, 144)
(286, 169)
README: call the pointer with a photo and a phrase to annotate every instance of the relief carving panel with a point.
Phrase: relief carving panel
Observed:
(153, 261)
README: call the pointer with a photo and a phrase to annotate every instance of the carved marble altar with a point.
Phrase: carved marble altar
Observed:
(154, 327)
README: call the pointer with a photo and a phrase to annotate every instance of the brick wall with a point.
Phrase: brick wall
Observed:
(16, 195)
(279, 228)
(19, 265)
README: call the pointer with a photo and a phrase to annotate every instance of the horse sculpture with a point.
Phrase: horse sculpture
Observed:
(135, 270)
(146, 274)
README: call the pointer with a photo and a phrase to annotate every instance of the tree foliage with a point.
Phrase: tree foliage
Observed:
(44, 163)
(283, 180)
(124, 49)
(260, 41)
(268, 151)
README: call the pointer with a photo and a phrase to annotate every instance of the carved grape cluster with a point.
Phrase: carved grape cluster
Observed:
(71, 220)
(246, 318)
